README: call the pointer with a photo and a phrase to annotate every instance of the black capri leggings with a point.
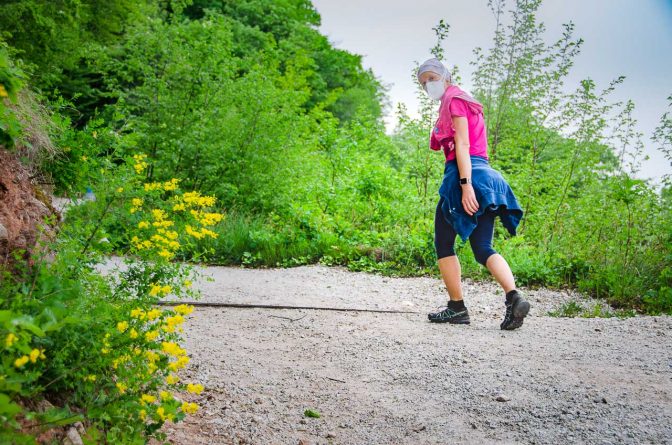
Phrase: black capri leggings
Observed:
(480, 239)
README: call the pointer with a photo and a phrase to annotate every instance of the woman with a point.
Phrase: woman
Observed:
(471, 196)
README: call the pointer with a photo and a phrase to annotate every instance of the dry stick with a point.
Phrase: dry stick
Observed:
(270, 306)
(288, 318)
(335, 380)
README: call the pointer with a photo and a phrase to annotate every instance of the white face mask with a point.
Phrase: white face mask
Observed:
(435, 88)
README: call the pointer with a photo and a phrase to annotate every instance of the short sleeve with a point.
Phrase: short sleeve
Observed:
(458, 107)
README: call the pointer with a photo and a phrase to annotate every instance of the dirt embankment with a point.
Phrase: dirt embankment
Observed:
(24, 209)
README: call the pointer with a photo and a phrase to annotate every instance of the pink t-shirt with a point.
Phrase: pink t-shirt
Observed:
(478, 140)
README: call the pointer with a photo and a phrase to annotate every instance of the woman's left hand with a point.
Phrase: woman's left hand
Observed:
(469, 202)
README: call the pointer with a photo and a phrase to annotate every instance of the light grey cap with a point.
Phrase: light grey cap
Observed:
(434, 65)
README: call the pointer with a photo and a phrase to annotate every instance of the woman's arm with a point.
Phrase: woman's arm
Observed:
(469, 201)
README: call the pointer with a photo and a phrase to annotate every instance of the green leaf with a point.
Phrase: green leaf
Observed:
(7, 407)
(311, 413)
(27, 322)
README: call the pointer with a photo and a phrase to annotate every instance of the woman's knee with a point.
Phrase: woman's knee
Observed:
(443, 251)
(482, 252)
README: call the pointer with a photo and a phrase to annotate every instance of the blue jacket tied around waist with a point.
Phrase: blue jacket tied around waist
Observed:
(492, 192)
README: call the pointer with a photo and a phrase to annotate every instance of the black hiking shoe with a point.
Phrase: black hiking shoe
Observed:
(516, 310)
(448, 315)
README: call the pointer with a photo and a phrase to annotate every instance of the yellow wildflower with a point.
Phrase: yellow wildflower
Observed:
(122, 387)
(172, 348)
(181, 362)
(155, 290)
(19, 362)
(209, 233)
(140, 164)
(120, 190)
(190, 231)
(3, 91)
(137, 202)
(162, 414)
(194, 389)
(170, 185)
(172, 379)
(148, 398)
(165, 396)
(151, 186)
(10, 339)
(143, 414)
(189, 407)
(153, 314)
(151, 335)
(210, 219)
(138, 313)
(34, 355)
(158, 214)
(184, 309)
(143, 225)
(90, 378)
(187, 283)
(174, 320)
(195, 199)
(133, 333)
(122, 326)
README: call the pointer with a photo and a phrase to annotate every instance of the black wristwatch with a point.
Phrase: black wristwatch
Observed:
(465, 180)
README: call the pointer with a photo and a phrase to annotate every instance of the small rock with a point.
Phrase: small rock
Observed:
(502, 398)
(80, 428)
(257, 401)
(331, 435)
(72, 437)
(419, 428)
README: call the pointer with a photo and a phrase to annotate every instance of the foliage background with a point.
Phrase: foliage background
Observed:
(247, 101)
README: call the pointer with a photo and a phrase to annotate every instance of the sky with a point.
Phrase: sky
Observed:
(621, 37)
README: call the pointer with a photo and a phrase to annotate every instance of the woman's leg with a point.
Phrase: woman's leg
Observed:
(449, 265)
(451, 272)
(481, 245)
(444, 241)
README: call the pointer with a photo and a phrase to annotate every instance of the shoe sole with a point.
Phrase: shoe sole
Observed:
(451, 321)
(520, 311)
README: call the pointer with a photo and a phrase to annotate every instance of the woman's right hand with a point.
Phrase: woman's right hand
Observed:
(469, 202)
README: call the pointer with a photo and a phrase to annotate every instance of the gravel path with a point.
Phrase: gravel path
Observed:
(398, 379)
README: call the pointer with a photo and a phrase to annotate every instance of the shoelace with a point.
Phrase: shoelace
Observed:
(509, 313)
(448, 312)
